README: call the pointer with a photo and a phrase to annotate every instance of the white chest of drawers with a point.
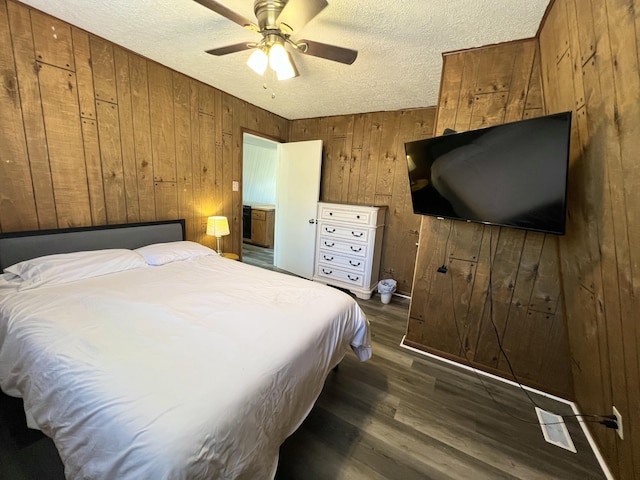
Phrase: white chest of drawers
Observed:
(348, 246)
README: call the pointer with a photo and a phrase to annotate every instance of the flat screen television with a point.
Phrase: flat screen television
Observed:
(512, 175)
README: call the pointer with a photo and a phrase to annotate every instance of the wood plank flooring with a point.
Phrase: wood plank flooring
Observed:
(404, 416)
(399, 416)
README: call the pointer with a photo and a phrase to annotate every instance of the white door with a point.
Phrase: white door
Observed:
(297, 195)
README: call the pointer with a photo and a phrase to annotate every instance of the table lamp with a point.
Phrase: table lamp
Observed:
(217, 226)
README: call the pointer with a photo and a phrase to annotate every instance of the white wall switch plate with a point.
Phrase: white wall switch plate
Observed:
(235, 186)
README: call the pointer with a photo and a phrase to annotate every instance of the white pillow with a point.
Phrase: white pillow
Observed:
(161, 253)
(68, 267)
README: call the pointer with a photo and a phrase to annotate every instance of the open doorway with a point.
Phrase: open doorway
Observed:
(280, 191)
(259, 175)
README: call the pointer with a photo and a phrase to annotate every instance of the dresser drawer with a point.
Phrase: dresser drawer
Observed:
(330, 259)
(343, 276)
(347, 233)
(258, 215)
(334, 245)
(351, 216)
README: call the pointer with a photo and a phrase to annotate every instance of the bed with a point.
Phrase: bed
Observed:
(143, 355)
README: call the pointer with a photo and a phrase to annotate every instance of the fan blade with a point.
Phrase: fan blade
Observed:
(297, 13)
(228, 13)
(238, 47)
(330, 52)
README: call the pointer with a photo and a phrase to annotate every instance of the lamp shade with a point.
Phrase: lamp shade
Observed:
(258, 61)
(278, 58)
(287, 69)
(217, 226)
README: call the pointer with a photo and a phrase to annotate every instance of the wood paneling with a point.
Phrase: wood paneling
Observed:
(364, 163)
(184, 168)
(111, 161)
(94, 172)
(600, 255)
(239, 119)
(17, 202)
(84, 73)
(94, 134)
(162, 123)
(104, 70)
(206, 173)
(27, 75)
(127, 137)
(52, 39)
(194, 87)
(63, 132)
(142, 137)
(501, 294)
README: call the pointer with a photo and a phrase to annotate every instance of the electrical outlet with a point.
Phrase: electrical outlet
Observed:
(619, 422)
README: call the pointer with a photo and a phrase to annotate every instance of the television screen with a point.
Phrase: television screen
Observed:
(512, 175)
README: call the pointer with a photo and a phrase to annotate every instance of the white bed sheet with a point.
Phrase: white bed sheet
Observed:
(194, 369)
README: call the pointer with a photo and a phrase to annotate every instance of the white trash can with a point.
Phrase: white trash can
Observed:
(386, 288)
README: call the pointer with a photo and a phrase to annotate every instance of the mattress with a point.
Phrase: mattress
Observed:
(197, 368)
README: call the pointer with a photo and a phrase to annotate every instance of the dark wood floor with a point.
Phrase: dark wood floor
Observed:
(399, 416)
(404, 416)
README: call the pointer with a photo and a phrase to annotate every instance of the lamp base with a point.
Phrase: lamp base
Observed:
(219, 247)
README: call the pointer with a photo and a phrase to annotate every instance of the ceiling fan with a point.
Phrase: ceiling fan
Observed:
(277, 20)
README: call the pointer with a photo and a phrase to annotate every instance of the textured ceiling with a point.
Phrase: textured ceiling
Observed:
(400, 46)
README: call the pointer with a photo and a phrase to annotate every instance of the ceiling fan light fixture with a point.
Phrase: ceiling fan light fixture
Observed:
(258, 61)
(276, 22)
(278, 58)
(287, 70)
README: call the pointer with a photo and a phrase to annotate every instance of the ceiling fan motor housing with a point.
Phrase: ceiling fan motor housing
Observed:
(267, 13)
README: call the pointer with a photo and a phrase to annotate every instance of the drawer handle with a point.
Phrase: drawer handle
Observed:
(327, 272)
(354, 264)
(327, 245)
(358, 235)
(326, 229)
(329, 259)
(353, 279)
(357, 216)
(359, 249)
(330, 213)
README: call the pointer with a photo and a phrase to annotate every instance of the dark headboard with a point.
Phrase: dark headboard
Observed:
(18, 246)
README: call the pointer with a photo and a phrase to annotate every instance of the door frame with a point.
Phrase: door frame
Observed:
(266, 136)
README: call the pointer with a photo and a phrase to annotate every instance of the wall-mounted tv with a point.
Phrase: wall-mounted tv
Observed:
(512, 175)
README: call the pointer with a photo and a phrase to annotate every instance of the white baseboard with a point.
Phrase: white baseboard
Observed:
(574, 407)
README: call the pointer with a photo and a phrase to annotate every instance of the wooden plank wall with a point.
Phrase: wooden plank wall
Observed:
(93, 134)
(364, 163)
(590, 64)
(450, 314)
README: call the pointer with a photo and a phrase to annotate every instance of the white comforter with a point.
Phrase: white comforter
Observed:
(195, 369)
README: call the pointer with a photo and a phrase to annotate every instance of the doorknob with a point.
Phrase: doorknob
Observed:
(312, 220)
